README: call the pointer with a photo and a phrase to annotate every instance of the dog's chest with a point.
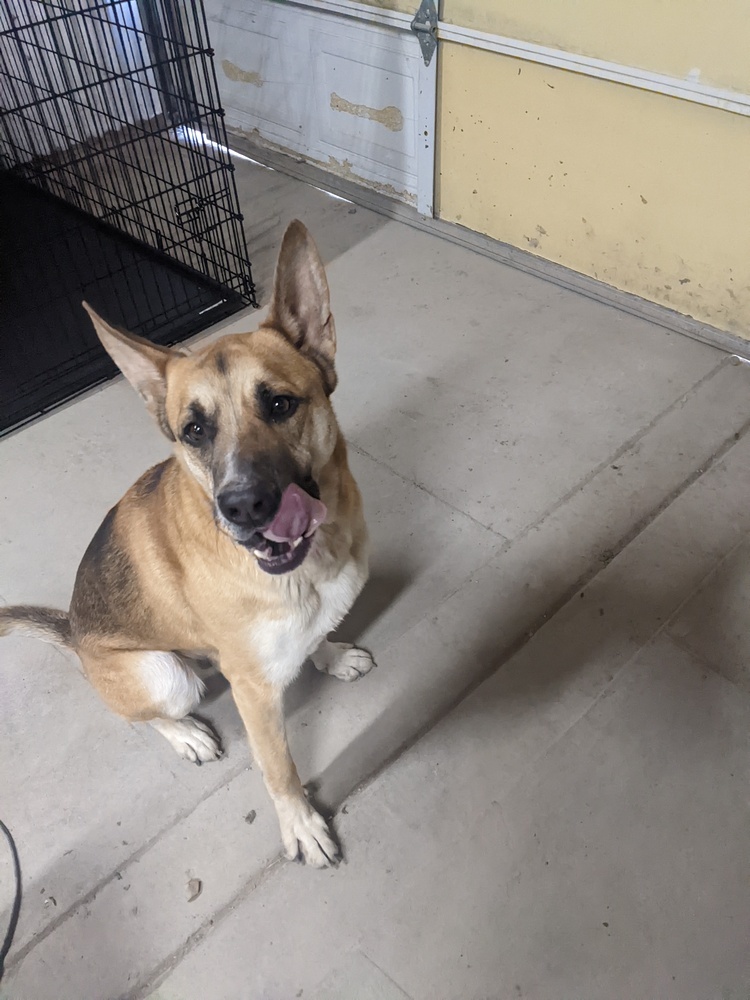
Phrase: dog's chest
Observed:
(282, 645)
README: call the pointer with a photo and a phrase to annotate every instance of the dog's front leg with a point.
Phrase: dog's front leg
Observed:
(303, 830)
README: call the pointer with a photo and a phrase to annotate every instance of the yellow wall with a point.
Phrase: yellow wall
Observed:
(645, 192)
(666, 36)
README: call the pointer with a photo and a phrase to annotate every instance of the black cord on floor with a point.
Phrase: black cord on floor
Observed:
(16, 908)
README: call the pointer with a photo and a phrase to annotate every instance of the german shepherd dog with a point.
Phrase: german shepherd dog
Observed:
(247, 546)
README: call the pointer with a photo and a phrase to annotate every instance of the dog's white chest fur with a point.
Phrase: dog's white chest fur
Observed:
(315, 609)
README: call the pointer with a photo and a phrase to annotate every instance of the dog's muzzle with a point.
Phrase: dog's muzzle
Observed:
(277, 527)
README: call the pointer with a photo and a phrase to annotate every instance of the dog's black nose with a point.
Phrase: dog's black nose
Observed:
(249, 506)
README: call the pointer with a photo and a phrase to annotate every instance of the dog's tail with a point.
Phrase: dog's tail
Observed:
(46, 624)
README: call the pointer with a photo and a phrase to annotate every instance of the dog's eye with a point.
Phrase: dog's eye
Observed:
(282, 407)
(194, 433)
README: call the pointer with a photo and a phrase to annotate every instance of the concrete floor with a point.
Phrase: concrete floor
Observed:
(557, 494)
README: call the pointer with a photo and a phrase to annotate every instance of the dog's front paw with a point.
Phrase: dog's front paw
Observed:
(305, 834)
(342, 660)
(192, 739)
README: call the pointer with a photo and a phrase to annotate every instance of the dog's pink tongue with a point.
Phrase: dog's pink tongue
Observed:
(299, 514)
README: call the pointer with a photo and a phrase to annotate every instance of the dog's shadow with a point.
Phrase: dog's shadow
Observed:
(379, 594)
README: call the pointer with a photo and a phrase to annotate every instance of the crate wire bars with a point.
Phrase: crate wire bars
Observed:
(112, 106)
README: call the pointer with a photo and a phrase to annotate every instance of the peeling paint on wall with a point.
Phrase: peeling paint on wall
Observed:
(234, 72)
(391, 117)
(344, 169)
(341, 168)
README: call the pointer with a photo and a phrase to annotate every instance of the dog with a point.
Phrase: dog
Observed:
(248, 545)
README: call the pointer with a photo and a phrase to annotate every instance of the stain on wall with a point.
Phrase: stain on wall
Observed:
(639, 190)
(390, 117)
(239, 75)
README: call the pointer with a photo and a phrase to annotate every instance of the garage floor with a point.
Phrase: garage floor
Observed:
(558, 498)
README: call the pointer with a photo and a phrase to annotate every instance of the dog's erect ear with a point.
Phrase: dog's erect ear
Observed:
(301, 306)
(142, 363)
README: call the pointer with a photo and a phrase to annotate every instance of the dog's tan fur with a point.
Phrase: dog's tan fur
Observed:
(164, 579)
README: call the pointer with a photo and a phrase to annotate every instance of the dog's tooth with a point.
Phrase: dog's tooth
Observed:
(257, 553)
(296, 542)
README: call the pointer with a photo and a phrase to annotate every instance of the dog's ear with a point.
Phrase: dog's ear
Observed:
(301, 305)
(142, 363)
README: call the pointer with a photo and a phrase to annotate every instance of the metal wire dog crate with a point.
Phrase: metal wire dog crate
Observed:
(117, 186)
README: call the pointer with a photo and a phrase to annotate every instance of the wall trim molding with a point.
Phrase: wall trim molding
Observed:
(658, 83)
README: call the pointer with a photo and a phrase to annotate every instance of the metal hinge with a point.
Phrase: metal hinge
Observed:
(425, 26)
